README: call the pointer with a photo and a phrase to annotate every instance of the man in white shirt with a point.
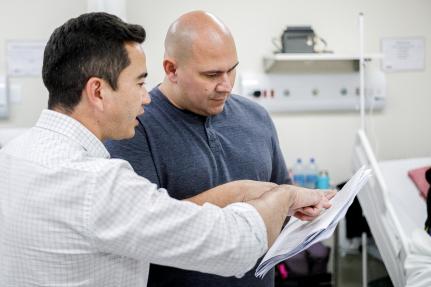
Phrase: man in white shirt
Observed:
(71, 216)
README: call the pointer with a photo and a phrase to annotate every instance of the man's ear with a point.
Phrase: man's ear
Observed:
(94, 92)
(170, 67)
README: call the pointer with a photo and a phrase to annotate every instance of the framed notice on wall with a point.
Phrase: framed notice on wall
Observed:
(24, 58)
(403, 54)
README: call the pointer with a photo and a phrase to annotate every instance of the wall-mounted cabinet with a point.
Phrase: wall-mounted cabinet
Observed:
(314, 82)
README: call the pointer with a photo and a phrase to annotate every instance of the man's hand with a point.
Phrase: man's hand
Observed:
(276, 204)
(312, 211)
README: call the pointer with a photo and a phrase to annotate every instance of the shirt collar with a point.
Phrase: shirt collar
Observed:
(74, 130)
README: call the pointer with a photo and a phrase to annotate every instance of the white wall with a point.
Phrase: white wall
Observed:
(31, 20)
(401, 130)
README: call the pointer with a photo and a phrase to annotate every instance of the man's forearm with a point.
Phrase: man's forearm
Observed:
(273, 207)
(221, 195)
(235, 191)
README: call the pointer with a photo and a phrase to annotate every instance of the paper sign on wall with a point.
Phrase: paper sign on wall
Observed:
(24, 58)
(403, 54)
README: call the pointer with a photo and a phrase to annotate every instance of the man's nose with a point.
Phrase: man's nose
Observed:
(146, 98)
(225, 86)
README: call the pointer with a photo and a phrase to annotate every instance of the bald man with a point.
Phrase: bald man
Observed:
(196, 135)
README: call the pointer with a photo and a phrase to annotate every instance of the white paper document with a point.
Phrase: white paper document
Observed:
(298, 235)
(403, 54)
(25, 58)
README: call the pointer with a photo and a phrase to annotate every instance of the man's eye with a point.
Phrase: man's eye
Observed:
(141, 84)
(212, 75)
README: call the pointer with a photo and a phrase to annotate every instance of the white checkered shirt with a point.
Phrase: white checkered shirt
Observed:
(70, 216)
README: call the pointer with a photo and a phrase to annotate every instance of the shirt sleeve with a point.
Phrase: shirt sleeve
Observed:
(128, 216)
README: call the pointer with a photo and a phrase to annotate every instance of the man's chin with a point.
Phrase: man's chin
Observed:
(130, 134)
(217, 110)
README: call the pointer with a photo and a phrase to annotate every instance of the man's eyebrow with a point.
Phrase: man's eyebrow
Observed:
(234, 66)
(220, 71)
(143, 75)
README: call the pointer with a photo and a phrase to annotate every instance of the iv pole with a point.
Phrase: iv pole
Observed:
(361, 70)
(362, 111)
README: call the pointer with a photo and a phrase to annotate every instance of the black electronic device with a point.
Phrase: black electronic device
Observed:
(298, 39)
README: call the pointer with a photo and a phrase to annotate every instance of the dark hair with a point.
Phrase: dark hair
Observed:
(428, 220)
(91, 45)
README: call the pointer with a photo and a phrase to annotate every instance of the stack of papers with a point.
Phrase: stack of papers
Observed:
(298, 235)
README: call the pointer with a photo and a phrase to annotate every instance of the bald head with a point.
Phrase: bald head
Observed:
(200, 63)
(193, 32)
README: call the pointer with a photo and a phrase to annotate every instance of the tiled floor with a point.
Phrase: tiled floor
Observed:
(350, 272)
(347, 270)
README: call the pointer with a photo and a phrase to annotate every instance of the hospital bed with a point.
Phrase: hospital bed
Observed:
(391, 204)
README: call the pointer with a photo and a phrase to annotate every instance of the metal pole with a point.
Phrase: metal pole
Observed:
(335, 264)
(364, 260)
(361, 70)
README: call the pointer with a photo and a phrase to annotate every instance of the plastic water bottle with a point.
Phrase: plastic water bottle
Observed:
(323, 180)
(298, 173)
(311, 172)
